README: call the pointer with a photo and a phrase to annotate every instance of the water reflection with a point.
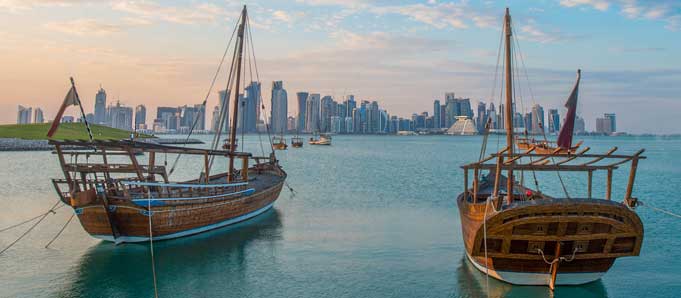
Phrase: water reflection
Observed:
(472, 283)
(217, 259)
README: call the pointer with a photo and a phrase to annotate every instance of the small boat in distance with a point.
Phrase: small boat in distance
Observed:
(279, 143)
(297, 142)
(323, 139)
(564, 143)
(524, 236)
(120, 198)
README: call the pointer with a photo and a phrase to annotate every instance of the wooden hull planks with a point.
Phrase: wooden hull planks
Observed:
(175, 220)
(522, 238)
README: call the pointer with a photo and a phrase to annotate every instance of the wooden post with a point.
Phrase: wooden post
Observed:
(67, 175)
(590, 174)
(152, 164)
(608, 186)
(107, 176)
(497, 177)
(554, 267)
(244, 168)
(465, 184)
(632, 176)
(206, 167)
(475, 185)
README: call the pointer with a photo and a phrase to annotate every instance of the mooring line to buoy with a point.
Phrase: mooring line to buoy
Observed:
(61, 230)
(31, 228)
(660, 210)
(151, 247)
(30, 219)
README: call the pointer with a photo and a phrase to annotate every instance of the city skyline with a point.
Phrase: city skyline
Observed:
(403, 55)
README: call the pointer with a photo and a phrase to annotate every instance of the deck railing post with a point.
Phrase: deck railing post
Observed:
(608, 186)
(475, 185)
(590, 177)
(244, 168)
(632, 176)
(465, 184)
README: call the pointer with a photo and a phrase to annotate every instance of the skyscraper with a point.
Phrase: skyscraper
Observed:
(326, 111)
(554, 121)
(312, 113)
(613, 120)
(216, 119)
(436, 114)
(166, 118)
(279, 110)
(38, 116)
(450, 109)
(120, 116)
(537, 119)
(302, 107)
(481, 120)
(24, 115)
(100, 107)
(140, 117)
(224, 96)
(252, 107)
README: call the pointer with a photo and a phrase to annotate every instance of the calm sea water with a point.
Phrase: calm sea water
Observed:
(372, 217)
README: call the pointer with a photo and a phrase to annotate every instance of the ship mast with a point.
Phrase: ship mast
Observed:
(235, 106)
(508, 109)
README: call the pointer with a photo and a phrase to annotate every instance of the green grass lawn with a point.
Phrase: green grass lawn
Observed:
(66, 131)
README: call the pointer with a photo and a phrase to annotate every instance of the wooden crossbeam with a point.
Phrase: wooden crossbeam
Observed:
(572, 157)
(597, 159)
(541, 160)
(635, 157)
(528, 151)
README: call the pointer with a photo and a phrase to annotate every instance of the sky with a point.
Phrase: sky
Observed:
(403, 54)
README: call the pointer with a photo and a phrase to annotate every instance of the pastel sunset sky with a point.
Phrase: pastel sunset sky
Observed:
(404, 54)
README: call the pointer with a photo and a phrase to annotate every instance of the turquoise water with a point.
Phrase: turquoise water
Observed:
(373, 216)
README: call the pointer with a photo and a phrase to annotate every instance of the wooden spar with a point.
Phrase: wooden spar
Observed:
(235, 106)
(599, 158)
(608, 189)
(244, 168)
(540, 160)
(528, 151)
(554, 267)
(509, 105)
(568, 159)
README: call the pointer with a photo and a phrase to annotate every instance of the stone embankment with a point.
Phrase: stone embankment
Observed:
(12, 144)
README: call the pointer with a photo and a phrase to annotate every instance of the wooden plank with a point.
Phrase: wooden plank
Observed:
(572, 157)
(606, 155)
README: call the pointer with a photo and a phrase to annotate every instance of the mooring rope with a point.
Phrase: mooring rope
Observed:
(60, 231)
(660, 210)
(32, 227)
(151, 247)
(30, 219)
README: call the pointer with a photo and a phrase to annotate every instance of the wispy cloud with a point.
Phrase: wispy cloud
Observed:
(597, 4)
(84, 27)
(23, 5)
(667, 11)
(195, 14)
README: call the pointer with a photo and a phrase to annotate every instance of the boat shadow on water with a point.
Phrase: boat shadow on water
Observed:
(472, 283)
(183, 265)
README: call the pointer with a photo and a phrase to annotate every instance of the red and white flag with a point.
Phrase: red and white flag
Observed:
(71, 99)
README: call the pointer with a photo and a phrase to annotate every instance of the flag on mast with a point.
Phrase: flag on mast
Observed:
(71, 99)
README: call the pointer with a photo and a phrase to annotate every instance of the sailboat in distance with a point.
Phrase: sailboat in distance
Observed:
(564, 143)
(524, 236)
(118, 197)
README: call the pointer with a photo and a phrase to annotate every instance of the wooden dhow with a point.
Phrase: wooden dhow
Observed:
(323, 139)
(564, 143)
(121, 197)
(523, 236)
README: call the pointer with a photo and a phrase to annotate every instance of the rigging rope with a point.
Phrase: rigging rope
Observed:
(31, 228)
(205, 100)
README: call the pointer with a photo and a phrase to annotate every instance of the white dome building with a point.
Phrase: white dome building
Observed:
(463, 127)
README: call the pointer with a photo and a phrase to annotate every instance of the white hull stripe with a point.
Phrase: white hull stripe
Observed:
(187, 232)
(538, 279)
(182, 185)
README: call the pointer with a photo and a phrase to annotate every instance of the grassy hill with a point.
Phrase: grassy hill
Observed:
(66, 131)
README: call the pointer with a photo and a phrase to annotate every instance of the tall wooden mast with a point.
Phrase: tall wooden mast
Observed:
(508, 109)
(235, 106)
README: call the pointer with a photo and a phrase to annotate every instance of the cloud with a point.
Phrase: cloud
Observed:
(22, 5)
(200, 13)
(532, 32)
(596, 4)
(84, 27)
